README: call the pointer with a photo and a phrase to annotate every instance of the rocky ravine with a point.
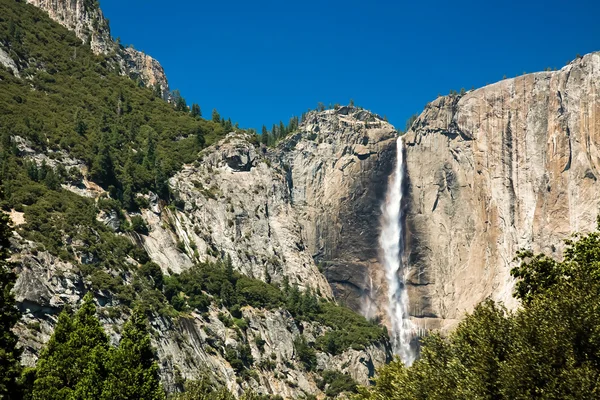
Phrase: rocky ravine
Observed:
(272, 211)
(85, 18)
(512, 165)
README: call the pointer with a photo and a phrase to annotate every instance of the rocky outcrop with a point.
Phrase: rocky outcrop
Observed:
(237, 204)
(139, 65)
(338, 167)
(512, 165)
(8, 63)
(85, 18)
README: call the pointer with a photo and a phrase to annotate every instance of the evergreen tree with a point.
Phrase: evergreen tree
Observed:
(150, 156)
(274, 133)
(72, 364)
(160, 182)
(196, 112)
(264, 138)
(227, 125)
(215, 116)
(181, 105)
(133, 368)
(204, 389)
(102, 166)
(10, 366)
(282, 130)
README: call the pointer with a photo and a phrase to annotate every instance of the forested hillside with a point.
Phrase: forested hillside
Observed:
(85, 155)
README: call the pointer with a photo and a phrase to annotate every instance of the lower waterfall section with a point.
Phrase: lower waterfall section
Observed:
(391, 241)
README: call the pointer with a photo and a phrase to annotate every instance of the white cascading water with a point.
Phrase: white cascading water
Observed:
(392, 245)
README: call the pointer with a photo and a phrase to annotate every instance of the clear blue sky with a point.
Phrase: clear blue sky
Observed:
(259, 62)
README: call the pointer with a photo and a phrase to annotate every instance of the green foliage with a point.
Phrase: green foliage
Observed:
(152, 271)
(333, 383)
(196, 112)
(72, 363)
(548, 349)
(348, 329)
(305, 353)
(215, 116)
(410, 122)
(80, 104)
(233, 290)
(203, 389)
(133, 368)
(139, 225)
(78, 362)
(279, 131)
(10, 367)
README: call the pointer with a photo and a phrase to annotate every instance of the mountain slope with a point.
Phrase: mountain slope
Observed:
(114, 191)
(85, 18)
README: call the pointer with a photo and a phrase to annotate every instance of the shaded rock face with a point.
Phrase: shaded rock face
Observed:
(338, 167)
(85, 18)
(512, 165)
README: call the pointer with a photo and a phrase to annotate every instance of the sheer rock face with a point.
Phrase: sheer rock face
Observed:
(85, 18)
(237, 204)
(338, 167)
(512, 165)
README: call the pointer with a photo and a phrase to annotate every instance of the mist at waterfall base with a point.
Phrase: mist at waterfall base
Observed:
(391, 241)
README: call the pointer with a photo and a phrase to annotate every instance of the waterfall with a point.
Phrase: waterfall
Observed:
(392, 246)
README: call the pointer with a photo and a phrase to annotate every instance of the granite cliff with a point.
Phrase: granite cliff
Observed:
(512, 165)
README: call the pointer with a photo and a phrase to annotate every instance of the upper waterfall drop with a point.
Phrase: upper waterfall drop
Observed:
(391, 241)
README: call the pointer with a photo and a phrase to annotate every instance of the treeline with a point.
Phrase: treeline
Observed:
(547, 349)
(279, 132)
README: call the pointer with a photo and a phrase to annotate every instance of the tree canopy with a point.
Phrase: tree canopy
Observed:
(547, 349)
(10, 367)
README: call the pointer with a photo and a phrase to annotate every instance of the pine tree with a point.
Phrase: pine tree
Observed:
(274, 133)
(72, 364)
(102, 166)
(181, 105)
(215, 116)
(133, 367)
(264, 136)
(282, 130)
(196, 112)
(10, 366)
